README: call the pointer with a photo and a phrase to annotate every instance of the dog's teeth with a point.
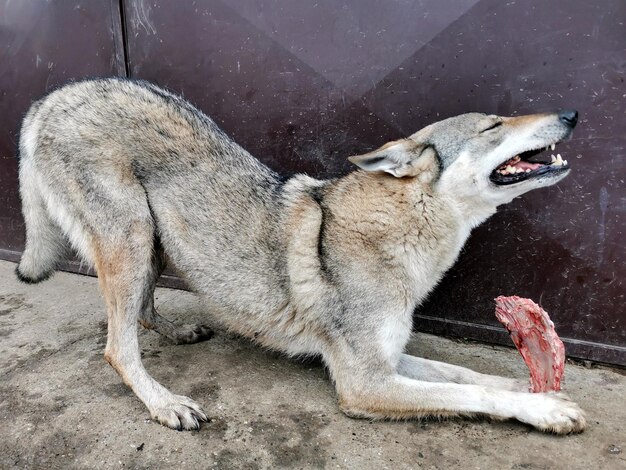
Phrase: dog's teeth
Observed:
(553, 158)
(564, 162)
(509, 169)
(527, 170)
(552, 147)
(559, 160)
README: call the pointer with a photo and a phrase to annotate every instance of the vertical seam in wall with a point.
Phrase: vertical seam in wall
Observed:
(124, 38)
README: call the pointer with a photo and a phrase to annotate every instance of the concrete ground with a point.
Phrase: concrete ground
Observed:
(63, 406)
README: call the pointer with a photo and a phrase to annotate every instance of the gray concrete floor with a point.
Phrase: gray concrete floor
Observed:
(62, 406)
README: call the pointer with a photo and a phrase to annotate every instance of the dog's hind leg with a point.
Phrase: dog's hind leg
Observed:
(123, 256)
(152, 320)
(434, 371)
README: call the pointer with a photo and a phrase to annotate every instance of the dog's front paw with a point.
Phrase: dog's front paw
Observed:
(552, 412)
(181, 413)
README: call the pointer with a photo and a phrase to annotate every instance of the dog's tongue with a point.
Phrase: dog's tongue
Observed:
(526, 165)
(518, 163)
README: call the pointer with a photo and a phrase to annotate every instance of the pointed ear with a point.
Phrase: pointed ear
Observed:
(393, 157)
(400, 158)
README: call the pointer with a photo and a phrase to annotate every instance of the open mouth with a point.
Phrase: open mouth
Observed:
(529, 164)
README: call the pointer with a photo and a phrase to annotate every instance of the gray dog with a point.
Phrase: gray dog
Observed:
(132, 176)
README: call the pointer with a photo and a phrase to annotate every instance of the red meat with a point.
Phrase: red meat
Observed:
(533, 333)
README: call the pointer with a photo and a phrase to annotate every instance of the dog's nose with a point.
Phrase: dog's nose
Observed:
(569, 117)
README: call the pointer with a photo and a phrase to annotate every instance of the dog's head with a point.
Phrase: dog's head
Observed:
(481, 156)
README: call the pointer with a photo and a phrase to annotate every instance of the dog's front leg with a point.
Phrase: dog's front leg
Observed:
(434, 371)
(369, 387)
(396, 397)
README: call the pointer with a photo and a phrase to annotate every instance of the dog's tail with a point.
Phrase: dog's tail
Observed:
(45, 243)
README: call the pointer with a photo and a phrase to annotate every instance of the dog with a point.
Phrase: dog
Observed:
(133, 177)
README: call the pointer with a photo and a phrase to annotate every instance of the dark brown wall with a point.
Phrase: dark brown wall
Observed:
(305, 84)
(43, 45)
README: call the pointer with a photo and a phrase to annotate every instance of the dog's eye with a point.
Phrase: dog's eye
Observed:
(493, 126)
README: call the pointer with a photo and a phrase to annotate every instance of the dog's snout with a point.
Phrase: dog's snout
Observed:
(569, 117)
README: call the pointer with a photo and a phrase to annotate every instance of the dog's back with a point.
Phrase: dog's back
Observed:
(118, 153)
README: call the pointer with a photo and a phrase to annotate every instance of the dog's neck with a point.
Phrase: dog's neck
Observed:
(407, 219)
(416, 231)
(474, 206)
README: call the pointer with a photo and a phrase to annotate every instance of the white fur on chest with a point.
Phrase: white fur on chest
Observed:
(425, 263)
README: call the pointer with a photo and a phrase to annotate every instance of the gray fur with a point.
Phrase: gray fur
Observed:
(131, 176)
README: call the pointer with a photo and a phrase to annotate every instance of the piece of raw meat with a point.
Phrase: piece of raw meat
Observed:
(533, 333)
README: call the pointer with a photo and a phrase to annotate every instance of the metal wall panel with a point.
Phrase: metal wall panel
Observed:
(43, 45)
(303, 85)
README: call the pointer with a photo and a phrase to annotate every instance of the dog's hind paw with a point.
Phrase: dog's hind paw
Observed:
(179, 334)
(182, 414)
(190, 334)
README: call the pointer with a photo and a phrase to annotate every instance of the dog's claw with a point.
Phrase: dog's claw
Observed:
(183, 414)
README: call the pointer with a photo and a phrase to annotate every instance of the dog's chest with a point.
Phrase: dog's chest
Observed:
(429, 252)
